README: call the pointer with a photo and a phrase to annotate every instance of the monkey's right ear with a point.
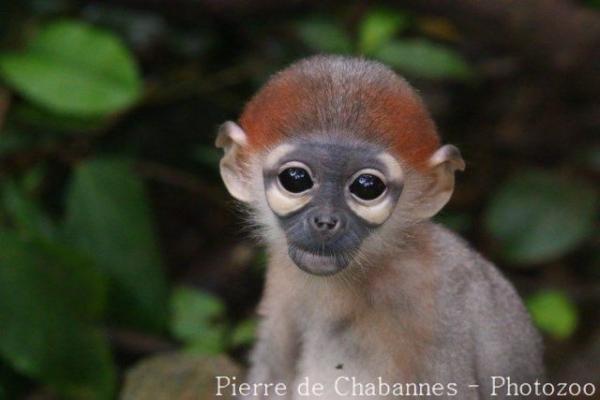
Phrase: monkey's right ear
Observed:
(233, 139)
(442, 165)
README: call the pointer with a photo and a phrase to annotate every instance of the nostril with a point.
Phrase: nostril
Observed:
(325, 223)
(332, 222)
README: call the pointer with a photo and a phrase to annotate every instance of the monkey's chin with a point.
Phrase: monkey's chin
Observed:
(317, 264)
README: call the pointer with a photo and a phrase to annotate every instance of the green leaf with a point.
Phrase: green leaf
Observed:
(536, 216)
(48, 298)
(25, 213)
(211, 342)
(42, 119)
(192, 309)
(108, 216)
(73, 68)
(378, 27)
(554, 313)
(424, 59)
(324, 36)
(244, 333)
(196, 319)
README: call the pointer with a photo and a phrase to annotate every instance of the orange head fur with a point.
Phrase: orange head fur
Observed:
(346, 96)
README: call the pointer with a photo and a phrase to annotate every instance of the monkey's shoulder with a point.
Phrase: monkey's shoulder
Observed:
(455, 258)
(462, 271)
(474, 289)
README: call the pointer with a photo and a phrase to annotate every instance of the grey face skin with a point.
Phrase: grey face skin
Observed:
(326, 224)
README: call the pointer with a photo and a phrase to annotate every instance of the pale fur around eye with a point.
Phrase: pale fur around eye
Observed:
(283, 203)
(394, 170)
(375, 214)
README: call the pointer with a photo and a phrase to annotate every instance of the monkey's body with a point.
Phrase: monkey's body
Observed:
(438, 313)
(342, 168)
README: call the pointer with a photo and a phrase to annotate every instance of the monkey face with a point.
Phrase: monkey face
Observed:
(329, 196)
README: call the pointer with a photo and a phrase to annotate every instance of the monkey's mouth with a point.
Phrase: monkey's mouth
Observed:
(322, 264)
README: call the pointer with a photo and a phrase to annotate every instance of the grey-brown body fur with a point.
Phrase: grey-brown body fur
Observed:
(436, 312)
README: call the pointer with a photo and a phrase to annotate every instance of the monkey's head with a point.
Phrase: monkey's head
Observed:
(337, 157)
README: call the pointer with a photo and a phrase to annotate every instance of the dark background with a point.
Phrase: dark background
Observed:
(119, 242)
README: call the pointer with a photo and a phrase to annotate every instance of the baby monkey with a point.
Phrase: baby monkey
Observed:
(341, 166)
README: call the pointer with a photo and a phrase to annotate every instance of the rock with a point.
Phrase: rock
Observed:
(178, 376)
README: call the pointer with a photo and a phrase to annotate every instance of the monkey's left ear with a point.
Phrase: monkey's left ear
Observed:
(442, 164)
(233, 139)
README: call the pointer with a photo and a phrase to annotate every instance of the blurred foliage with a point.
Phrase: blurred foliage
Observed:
(108, 217)
(554, 313)
(199, 321)
(325, 36)
(244, 333)
(50, 299)
(378, 38)
(538, 216)
(72, 68)
(114, 226)
(378, 27)
(423, 58)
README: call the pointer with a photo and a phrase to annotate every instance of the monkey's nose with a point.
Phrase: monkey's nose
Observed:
(325, 224)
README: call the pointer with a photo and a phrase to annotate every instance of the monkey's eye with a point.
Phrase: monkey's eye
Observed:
(367, 187)
(295, 179)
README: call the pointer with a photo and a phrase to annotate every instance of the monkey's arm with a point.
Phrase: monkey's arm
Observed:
(506, 341)
(275, 350)
(277, 347)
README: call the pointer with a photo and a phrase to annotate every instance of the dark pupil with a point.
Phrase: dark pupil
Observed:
(367, 187)
(295, 180)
